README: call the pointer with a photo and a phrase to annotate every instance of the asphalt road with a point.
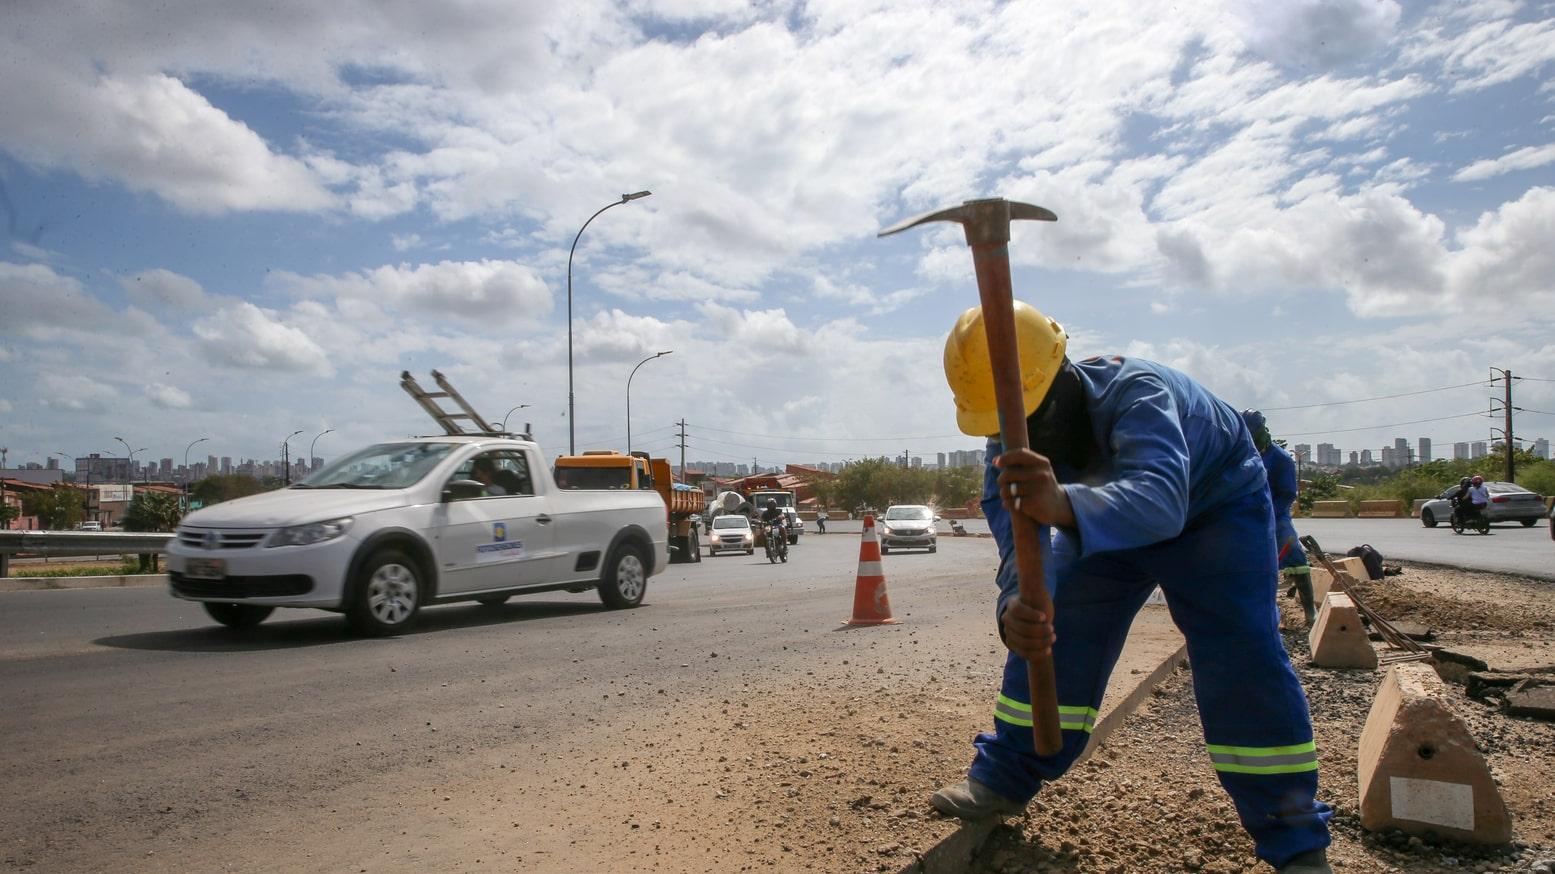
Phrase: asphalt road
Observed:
(139, 736)
(1508, 548)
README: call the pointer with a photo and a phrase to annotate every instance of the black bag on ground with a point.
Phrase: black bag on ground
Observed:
(1369, 557)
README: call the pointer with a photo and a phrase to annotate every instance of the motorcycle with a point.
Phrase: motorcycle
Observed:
(776, 542)
(1464, 515)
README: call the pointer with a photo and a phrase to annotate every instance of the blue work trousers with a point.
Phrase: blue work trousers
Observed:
(1215, 576)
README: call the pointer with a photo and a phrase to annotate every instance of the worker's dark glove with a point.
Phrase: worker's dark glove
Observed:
(1028, 632)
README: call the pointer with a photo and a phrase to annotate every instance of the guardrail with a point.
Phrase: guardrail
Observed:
(1330, 509)
(79, 543)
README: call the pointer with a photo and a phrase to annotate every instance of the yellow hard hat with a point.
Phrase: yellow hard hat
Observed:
(1041, 342)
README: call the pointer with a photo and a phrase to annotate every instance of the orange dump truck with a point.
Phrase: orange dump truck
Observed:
(606, 469)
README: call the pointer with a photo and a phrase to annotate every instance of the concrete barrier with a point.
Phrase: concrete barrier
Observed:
(1378, 510)
(1414, 508)
(1322, 582)
(1337, 638)
(27, 584)
(1330, 509)
(1420, 769)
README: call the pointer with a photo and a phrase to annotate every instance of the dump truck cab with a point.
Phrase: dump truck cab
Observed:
(608, 470)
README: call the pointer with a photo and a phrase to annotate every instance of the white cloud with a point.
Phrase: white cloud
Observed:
(168, 397)
(402, 242)
(1525, 158)
(164, 288)
(243, 335)
(1316, 34)
(75, 393)
(35, 298)
(1488, 47)
(152, 133)
(486, 291)
(6, 406)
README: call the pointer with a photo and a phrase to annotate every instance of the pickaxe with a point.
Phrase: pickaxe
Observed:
(987, 225)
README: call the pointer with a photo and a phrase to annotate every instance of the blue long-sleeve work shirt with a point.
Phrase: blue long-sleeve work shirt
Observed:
(1283, 486)
(1167, 452)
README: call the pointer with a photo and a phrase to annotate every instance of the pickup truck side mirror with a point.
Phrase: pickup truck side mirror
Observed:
(463, 489)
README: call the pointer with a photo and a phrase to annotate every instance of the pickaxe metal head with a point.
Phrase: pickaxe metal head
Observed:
(985, 221)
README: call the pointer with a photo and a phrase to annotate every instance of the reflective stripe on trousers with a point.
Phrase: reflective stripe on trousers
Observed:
(1070, 718)
(1290, 759)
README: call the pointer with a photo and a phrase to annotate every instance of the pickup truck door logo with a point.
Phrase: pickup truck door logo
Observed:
(500, 548)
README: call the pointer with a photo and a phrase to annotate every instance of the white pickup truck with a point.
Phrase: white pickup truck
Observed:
(384, 531)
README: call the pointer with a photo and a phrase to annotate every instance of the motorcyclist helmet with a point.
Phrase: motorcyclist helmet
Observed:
(1479, 480)
(772, 503)
(1465, 481)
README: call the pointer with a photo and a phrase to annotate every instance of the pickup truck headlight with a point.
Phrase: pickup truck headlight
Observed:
(749, 538)
(313, 532)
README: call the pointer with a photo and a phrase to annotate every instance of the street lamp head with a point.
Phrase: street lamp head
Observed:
(636, 195)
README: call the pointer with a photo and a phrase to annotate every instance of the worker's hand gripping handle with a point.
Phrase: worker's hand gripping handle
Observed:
(993, 285)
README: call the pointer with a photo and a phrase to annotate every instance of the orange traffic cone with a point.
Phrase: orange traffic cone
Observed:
(870, 606)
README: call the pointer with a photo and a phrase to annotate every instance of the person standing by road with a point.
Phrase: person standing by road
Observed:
(1148, 479)
(1283, 488)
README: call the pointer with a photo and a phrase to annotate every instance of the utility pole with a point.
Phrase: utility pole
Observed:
(1506, 409)
(682, 445)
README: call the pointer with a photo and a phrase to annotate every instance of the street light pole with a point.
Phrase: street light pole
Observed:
(313, 444)
(186, 469)
(286, 458)
(572, 444)
(629, 396)
(509, 413)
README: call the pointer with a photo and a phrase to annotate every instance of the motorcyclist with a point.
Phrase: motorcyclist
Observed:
(1460, 498)
(1479, 495)
(774, 516)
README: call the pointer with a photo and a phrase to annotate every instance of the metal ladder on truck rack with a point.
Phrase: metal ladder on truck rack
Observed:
(449, 421)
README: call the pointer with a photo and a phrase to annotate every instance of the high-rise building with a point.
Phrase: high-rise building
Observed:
(1400, 452)
(51, 463)
(1390, 457)
(1425, 450)
(166, 472)
(941, 461)
(1303, 452)
(226, 464)
(1327, 455)
(1477, 449)
(1355, 457)
(1366, 458)
(1460, 451)
(1541, 448)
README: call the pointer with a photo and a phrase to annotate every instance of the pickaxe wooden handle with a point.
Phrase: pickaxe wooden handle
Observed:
(987, 225)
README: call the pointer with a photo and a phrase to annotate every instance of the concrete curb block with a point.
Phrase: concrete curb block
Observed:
(130, 581)
(955, 854)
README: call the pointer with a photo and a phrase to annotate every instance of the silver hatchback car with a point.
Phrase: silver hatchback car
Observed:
(1509, 502)
(908, 526)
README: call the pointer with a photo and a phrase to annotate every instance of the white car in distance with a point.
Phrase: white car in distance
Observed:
(908, 526)
(731, 533)
(387, 530)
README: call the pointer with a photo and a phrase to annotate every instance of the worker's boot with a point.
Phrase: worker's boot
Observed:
(972, 801)
(1315, 862)
(1303, 581)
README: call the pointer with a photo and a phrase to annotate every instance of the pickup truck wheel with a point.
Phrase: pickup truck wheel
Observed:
(237, 615)
(626, 578)
(387, 595)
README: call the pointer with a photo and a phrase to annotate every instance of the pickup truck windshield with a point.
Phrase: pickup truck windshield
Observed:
(384, 466)
(593, 478)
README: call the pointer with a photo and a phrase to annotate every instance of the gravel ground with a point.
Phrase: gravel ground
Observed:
(1150, 802)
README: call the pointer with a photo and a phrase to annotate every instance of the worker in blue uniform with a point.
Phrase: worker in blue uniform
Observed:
(1145, 479)
(1283, 488)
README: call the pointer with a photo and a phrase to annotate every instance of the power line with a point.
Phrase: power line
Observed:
(1379, 427)
(895, 437)
(1424, 391)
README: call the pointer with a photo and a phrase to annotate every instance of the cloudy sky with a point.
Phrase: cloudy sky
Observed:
(239, 220)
